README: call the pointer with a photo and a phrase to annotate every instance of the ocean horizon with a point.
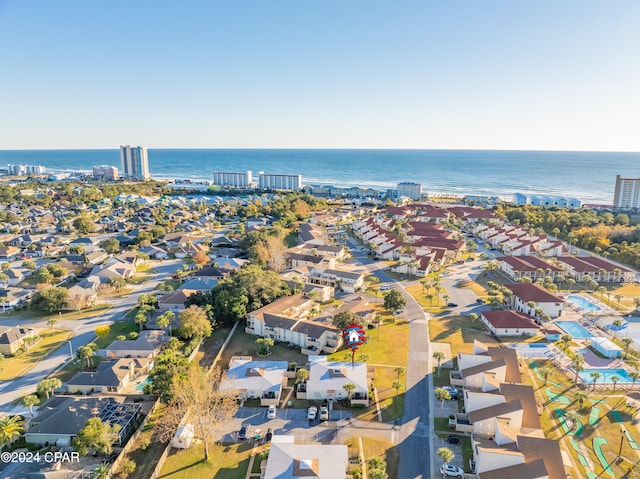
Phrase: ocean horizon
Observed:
(589, 176)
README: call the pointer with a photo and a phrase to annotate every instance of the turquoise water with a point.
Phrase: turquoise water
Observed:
(605, 376)
(589, 176)
(582, 303)
(574, 329)
(140, 387)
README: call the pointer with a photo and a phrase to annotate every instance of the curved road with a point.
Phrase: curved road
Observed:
(83, 332)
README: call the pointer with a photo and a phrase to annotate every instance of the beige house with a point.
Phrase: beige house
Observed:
(262, 380)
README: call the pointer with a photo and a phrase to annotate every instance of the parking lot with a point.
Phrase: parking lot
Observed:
(287, 421)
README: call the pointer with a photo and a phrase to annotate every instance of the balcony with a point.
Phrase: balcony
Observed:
(462, 423)
(456, 379)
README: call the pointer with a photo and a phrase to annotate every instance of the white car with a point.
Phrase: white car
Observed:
(385, 287)
(324, 413)
(271, 412)
(451, 471)
(311, 413)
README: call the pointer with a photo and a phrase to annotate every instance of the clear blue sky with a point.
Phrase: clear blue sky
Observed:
(510, 74)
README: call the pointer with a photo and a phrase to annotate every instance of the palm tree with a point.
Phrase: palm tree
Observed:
(618, 297)
(615, 326)
(3, 300)
(566, 339)
(165, 320)
(473, 317)
(634, 375)
(614, 380)
(397, 385)
(349, 387)
(85, 353)
(627, 342)
(578, 365)
(11, 427)
(52, 322)
(545, 373)
(302, 375)
(30, 401)
(573, 417)
(438, 356)
(430, 298)
(446, 455)
(442, 395)
(595, 376)
(580, 397)
(570, 283)
(399, 370)
(636, 301)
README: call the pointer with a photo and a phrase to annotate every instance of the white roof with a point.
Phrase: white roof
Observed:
(290, 461)
(325, 375)
(255, 375)
(606, 344)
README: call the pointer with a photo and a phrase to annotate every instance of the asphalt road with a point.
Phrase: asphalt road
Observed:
(83, 332)
(414, 430)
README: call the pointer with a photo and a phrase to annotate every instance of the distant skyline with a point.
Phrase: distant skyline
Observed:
(417, 74)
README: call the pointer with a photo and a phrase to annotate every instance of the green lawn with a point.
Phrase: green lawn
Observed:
(75, 366)
(227, 461)
(117, 329)
(244, 344)
(16, 366)
(84, 314)
(459, 331)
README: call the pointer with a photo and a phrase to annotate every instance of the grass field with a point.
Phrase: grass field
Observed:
(244, 344)
(226, 461)
(117, 329)
(459, 331)
(16, 366)
(383, 449)
(31, 314)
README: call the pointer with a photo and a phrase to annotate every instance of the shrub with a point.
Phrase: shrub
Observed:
(133, 335)
(127, 466)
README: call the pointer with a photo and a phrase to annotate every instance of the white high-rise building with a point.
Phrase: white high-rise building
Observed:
(134, 161)
(24, 170)
(409, 189)
(627, 193)
(232, 179)
(279, 182)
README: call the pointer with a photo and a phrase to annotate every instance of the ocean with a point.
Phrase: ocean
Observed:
(589, 176)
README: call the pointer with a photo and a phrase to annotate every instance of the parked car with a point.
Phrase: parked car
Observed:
(479, 301)
(451, 471)
(453, 439)
(242, 433)
(271, 412)
(453, 392)
(384, 287)
(312, 413)
(452, 305)
(257, 435)
(268, 435)
(324, 413)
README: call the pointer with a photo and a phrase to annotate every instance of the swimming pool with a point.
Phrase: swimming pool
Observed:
(574, 329)
(140, 387)
(605, 376)
(583, 303)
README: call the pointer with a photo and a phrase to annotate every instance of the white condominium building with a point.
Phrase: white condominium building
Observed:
(24, 170)
(627, 193)
(135, 163)
(279, 182)
(232, 179)
(409, 189)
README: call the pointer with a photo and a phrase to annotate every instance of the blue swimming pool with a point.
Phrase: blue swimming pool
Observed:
(605, 376)
(574, 329)
(140, 387)
(583, 303)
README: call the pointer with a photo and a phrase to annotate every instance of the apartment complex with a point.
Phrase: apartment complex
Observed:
(231, 179)
(24, 170)
(135, 162)
(279, 182)
(627, 193)
(105, 172)
(409, 189)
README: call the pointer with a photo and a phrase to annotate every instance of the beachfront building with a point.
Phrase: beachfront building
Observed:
(135, 162)
(409, 189)
(627, 193)
(24, 170)
(229, 179)
(105, 172)
(546, 200)
(279, 182)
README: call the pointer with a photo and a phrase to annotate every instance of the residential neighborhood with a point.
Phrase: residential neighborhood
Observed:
(472, 326)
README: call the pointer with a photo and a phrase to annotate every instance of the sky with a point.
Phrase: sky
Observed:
(526, 74)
